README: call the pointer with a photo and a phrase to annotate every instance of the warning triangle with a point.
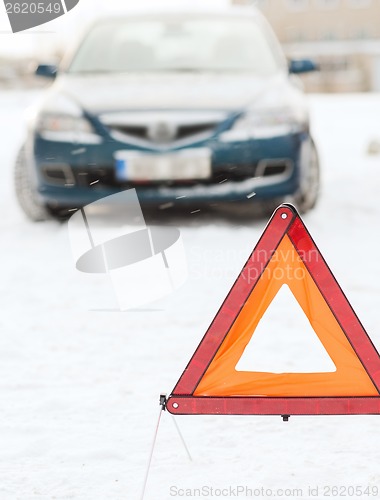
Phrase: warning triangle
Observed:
(214, 383)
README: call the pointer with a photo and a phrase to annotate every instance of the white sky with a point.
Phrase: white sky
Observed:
(41, 40)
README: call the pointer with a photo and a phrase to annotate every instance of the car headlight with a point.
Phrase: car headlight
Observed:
(272, 122)
(59, 127)
(51, 122)
(272, 117)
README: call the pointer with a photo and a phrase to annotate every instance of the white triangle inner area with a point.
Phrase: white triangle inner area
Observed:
(284, 341)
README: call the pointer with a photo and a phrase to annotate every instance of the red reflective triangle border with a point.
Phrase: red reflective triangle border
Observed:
(285, 221)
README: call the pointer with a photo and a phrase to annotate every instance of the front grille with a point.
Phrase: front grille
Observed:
(103, 176)
(181, 132)
(188, 130)
(139, 132)
(162, 127)
(98, 176)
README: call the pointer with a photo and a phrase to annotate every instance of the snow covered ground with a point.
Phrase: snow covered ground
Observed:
(79, 383)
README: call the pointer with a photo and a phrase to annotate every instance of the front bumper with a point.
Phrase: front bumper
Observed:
(73, 175)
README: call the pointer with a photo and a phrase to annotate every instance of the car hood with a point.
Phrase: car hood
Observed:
(97, 94)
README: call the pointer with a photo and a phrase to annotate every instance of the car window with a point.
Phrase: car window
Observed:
(118, 46)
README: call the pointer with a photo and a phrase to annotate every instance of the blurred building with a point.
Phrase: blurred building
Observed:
(342, 35)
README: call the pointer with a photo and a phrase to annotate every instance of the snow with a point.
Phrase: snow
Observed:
(302, 352)
(79, 381)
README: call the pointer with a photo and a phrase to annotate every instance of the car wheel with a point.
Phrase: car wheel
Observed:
(26, 195)
(307, 197)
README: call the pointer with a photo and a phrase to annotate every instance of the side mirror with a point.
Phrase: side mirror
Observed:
(46, 70)
(299, 66)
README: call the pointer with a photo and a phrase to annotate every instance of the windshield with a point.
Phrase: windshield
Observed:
(135, 45)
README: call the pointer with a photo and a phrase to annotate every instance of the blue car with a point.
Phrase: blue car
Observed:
(192, 107)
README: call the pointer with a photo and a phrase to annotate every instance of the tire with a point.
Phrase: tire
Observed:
(307, 197)
(27, 197)
(25, 193)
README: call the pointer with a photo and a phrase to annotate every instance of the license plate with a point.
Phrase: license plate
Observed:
(187, 164)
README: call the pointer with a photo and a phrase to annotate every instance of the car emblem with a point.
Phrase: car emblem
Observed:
(162, 132)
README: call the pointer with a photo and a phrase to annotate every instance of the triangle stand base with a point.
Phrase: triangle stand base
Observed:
(204, 405)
